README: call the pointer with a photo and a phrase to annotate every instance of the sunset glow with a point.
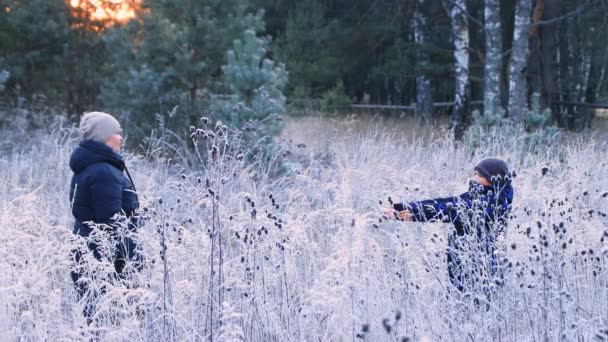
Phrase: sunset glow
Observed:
(108, 12)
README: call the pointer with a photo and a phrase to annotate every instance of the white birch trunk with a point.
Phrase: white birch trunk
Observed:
(493, 63)
(518, 86)
(460, 37)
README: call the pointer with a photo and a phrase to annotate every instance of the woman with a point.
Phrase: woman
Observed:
(101, 194)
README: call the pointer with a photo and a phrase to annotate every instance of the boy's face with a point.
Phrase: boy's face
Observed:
(481, 180)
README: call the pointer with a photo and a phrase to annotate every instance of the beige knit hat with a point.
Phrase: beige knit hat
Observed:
(99, 126)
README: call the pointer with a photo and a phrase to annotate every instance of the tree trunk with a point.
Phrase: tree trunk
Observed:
(585, 116)
(518, 85)
(601, 76)
(579, 67)
(573, 67)
(424, 101)
(493, 62)
(460, 38)
(549, 45)
(193, 110)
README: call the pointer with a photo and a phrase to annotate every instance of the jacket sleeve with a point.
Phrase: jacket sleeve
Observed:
(439, 209)
(106, 197)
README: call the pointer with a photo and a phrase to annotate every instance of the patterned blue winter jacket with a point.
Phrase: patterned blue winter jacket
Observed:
(99, 187)
(481, 207)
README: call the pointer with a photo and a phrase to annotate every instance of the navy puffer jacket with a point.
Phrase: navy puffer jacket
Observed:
(99, 188)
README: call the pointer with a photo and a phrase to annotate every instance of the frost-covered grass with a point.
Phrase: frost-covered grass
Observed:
(313, 262)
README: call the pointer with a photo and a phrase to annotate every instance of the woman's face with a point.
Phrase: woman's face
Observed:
(115, 142)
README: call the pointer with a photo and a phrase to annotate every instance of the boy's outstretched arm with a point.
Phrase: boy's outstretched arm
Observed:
(401, 215)
(439, 209)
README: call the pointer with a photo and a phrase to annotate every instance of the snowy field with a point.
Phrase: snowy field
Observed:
(236, 251)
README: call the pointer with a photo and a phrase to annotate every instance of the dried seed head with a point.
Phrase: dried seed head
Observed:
(386, 325)
(544, 170)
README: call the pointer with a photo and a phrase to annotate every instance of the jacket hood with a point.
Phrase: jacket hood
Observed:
(90, 152)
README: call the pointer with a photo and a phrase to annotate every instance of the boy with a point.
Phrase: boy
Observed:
(479, 216)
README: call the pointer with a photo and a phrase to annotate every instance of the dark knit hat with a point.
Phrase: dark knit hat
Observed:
(491, 167)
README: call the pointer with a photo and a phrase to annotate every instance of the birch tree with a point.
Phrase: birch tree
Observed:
(518, 86)
(424, 105)
(460, 38)
(493, 62)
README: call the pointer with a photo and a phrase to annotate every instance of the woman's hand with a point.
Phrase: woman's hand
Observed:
(403, 215)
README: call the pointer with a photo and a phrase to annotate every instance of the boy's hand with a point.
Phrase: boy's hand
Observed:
(403, 215)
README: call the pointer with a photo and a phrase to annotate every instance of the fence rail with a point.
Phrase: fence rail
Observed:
(410, 107)
(584, 105)
(438, 104)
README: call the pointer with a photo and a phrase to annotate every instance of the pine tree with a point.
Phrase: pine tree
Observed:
(53, 50)
(308, 49)
(256, 83)
(33, 49)
(172, 56)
